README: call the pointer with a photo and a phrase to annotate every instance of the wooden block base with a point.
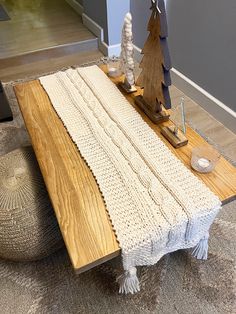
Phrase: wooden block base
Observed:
(155, 117)
(133, 89)
(178, 140)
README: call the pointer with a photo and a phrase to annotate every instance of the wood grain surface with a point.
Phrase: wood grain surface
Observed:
(77, 202)
(76, 199)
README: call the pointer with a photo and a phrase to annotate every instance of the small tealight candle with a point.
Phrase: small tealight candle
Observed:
(203, 162)
(113, 72)
(204, 158)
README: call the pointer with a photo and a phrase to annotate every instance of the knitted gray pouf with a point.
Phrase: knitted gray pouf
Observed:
(28, 227)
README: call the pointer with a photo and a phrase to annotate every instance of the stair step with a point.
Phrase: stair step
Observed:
(51, 64)
(49, 53)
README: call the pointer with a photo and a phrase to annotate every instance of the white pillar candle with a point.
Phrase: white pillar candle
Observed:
(203, 163)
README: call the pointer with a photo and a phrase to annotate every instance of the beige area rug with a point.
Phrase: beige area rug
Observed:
(178, 284)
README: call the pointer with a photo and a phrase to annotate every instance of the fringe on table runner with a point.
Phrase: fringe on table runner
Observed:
(128, 281)
(200, 251)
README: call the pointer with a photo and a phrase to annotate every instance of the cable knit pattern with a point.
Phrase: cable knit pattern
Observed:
(155, 203)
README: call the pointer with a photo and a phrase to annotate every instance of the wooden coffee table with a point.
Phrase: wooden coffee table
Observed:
(75, 196)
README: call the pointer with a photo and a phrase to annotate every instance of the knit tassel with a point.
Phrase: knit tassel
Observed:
(201, 249)
(128, 281)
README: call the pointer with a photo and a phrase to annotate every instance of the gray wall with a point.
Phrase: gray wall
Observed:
(116, 12)
(109, 14)
(202, 41)
(203, 44)
(140, 12)
(97, 11)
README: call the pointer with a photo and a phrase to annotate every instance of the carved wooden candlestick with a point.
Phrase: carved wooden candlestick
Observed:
(155, 65)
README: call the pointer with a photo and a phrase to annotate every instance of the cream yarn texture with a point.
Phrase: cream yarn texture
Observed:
(154, 202)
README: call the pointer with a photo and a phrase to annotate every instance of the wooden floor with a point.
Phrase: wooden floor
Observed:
(39, 24)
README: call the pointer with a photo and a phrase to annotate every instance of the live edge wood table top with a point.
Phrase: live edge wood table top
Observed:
(75, 196)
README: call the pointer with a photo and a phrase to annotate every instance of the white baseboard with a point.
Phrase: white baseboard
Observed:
(211, 104)
(97, 30)
(110, 51)
(76, 6)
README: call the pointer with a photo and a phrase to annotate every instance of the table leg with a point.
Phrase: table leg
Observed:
(5, 110)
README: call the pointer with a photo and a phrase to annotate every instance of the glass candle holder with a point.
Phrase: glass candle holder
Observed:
(204, 158)
(113, 68)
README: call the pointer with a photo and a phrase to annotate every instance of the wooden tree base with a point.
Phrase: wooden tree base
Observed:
(155, 117)
(178, 140)
(133, 89)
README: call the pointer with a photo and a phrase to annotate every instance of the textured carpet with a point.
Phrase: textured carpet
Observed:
(178, 284)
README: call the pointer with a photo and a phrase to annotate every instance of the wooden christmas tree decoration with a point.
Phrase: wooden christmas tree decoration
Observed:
(127, 55)
(155, 65)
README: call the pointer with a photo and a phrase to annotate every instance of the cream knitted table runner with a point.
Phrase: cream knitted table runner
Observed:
(155, 203)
